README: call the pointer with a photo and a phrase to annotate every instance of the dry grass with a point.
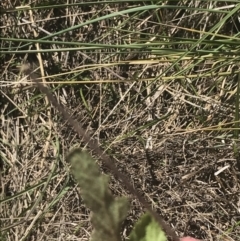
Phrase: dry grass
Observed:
(172, 93)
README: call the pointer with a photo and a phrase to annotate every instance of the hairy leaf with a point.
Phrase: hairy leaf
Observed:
(108, 212)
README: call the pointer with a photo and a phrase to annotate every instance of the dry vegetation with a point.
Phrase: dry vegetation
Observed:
(164, 77)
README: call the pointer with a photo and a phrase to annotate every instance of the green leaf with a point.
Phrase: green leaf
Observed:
(108, 212)
(147, 229)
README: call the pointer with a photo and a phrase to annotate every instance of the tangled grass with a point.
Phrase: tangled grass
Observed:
(155, 83)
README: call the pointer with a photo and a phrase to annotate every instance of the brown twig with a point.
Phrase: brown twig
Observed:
(107, 160)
